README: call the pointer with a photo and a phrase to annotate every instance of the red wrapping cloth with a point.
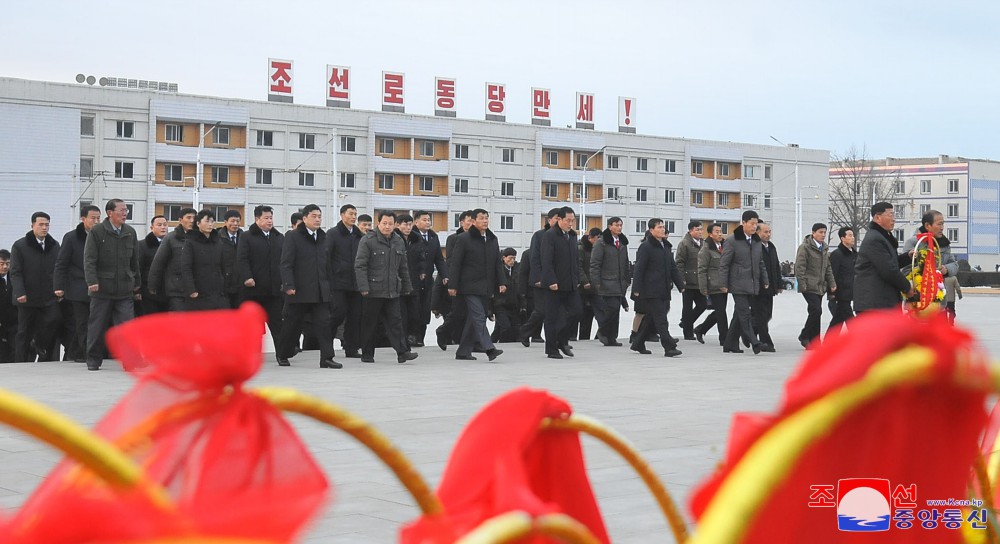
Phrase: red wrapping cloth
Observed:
(988, 448)
(504, 461)
(925, 435)
(230, 461)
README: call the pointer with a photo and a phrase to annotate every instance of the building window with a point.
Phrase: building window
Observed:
(900, 236)
(697, 198)
(173, 133)
(953, 235)
(461, 185)
(125, 129)
(220, 212)
(581, 159)
(386, 181)
(124, 170)
(507, 154)
(426, 149)
(767, 201)
(264, 176)
(724, 228)
(386, 146)
(953, 186)
(461, 151)
(551, 190)
(900, 186)
(507, 188)
(724, 169)
(131, 208)
(307, 179)
(552, 158)
(348, 144)
(640, 226)
(925, 186)
(458, 221)
(749, 201)
(613, 162)
(307, 141)
(578, 193)
(426, 184)
(506, 222)
(173, 211)
(265, 138)
(220, 174)
(952, 210)
(768, 172)
(750, 171)
(641, 164)
(670, 166)
(697, 168)
(900, 213)
(924, 208)
(86, 125)
(670, 196)
(723, 200)
(86, 167)
(222, 136)
(640, 195)
(613, 193)
(346, 180)
(671, 226)
(173, 172)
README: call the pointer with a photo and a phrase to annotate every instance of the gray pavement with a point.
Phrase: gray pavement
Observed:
(675, 411)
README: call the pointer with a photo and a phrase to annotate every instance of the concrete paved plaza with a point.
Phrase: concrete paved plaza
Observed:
(676, 411)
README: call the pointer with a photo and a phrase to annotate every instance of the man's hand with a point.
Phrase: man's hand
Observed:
(290, 292)
(503, 288)
(538, 284)
(704, 293)
(194, 295)
(423, 277)
(586, 286)
(137, 296)
(93, 288)
(59, 294)
(554, 287)
(726, 289)
(766, 286)
(453, 292)
(152, 291)
(444, 281)
(833, 289)
(912, 293)
(250, 283)
(22, 299)
(625, 303)
(363, 293)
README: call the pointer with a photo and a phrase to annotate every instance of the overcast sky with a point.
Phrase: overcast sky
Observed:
(904, 78)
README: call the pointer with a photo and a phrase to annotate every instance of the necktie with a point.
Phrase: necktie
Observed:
(425, 236)
(233, 238)
(314, 237)
(42, 243)
(3, 284)
(617, 244)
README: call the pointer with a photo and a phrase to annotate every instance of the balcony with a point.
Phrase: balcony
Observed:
(407, 166)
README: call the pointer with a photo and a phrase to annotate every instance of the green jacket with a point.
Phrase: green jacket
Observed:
(111, 261)
(813, 270)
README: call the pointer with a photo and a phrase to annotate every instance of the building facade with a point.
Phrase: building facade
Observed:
(65, 144)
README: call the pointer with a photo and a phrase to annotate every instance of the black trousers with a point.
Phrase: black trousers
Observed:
(741, 326)
(450, 331)
(178, 304)
(38, 324)
(272, 308)
(345, 308)
(814, 307)
(105, 312)
(506, 325)
(474, 333)
(81, 318)
(293, 315)
(8, 339)
(586, 316)
(384, 311)
(562, 309)
(607, 312)
(217, 301)
(409, 308)
(532, 328)
(424, 315)
(842, 310)
(233, 300)
(149, 306)
(762, 311)
(655, 320)
(717, 318)
(693, 304)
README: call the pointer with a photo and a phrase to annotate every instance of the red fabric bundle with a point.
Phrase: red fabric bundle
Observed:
(503, 462)
(922, 434)
(228, 459)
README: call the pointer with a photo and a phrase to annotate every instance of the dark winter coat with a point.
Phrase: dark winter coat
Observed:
(655, 270)
(709, 258)
(381, 268)
(687, 260)
(342, 249)
(742, 264)
(812, 268)
(584, 251)
(513, 299)
(202, 268)
(165, 272)
(8, 308)
(843, 260)
(69, 276)
(560, 265)
(147, 252)
(230, 271)
(433, 257)
(258, 257)
(878, 283)
(111, 261)
(305, 266)
(416, 255)
(609, 267)
(31, 270)
(773, 269)
(534, 258)
(475, 265)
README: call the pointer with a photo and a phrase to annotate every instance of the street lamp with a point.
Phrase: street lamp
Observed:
(798, 197)
(199, 175)
(583, 194)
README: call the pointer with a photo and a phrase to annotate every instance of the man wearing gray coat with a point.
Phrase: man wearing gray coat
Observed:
(712, 286)
(742, 269)
(383, 275)
(933, 222)
(878, 283)
(693, 303)
(69, 282)
(610, 278)
(814, 274)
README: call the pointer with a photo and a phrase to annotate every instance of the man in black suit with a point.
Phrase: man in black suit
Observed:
(763, 305)
(70, 283)
(561, 275)
(509, 306)
(32, 265)
(229, 235)
(531, 270)
(655, 270)
(8, 312)
(450, 331)
(476, 276)
(432, 259)
(258, 258)
(150, 303)
(306, 283)
(345, 300)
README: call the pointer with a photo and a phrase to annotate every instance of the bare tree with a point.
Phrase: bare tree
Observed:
(857, 182)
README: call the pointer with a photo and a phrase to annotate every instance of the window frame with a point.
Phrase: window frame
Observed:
(386, 143)
(88, 125)
(670, 166)
(461, 186)
(642, 164)
(430, 184)
(171, 168)
(697, 168)
(219, 132)
(613, 193)
(461, 151)
(507, 155)
(348, 180)
(956, 184)
(900, 188)
(953, 205)
(554, 189)
(952, 234)
(307, 141)
(641, 226)
(506, 188)
(120, 167)
(386, 182)
(613, 162)
(217, 175)
(929, 186)
(120, 129)
(768, 172)
(348, 144)
(264, 176)
(89, 171)
(548, 158)
(506, 222)
(723, 170)
(641, 194)
(697, 198)
(265, 138)
(670, 196)
(178, 129)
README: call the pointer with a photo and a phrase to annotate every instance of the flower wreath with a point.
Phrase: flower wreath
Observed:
(924, 275)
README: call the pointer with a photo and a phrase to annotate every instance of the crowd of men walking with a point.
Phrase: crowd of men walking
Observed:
(376, 282)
